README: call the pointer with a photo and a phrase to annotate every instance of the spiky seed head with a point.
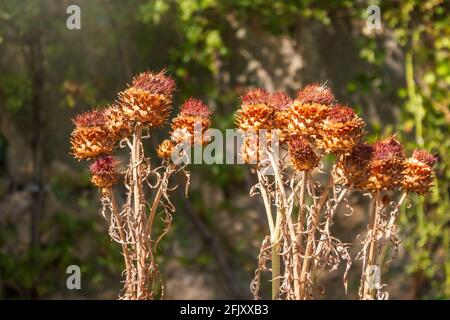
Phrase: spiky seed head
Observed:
(196, 108)
(388, 148)
(104, 171)
(310, 109)
(91, 137)
(165, 149)
(281, 103)
(255, 112)
(88, 119)
(316, 93)
(280, 100)
(418, 172)
(194, 115)
(256, 96)
(302, 153)
(117, 123)
(387, 164)
(149, 99)
(425, 157)
(341, 114)
(353, 169)
(154, 82)
(340, 131)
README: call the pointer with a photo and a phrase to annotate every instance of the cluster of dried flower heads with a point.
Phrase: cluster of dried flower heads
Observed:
(299, 209)
(146, 104)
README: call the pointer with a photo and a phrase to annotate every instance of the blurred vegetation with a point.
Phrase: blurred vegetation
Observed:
(192, 38)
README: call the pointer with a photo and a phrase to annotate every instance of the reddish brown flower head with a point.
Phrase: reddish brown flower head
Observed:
(91, 136)
(195, 107)
(117, 123)
(301, 151)
(341, 114)
(103, 165)
(418, 172)
(425, 157)
(255, 113)
(354, 169)
(361, 154)
(104, 171)
(340, 131)
(154, 83)
(89, 119)
(280, 101)
(315, 93)
(149, 99)
(387, 149)
(387, 164)
(256, 96)
(194, 115)
(165, 149)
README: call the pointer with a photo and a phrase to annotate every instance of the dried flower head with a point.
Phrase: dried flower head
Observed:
(194, 115)
(256, 96)
(255, 112)
(195, 107)
(165, 149)
(281, 102)
(315, 93)
(310, 109)
(354, 168)
(91, 137)
(155, 83)
(302, 154)
(117, 123)
(387, 149)
(341, 114)
(88, 119)
(104, 171)
(149, 98)
(341, 130)
(425, 157)
(418, 172)
(387, 164)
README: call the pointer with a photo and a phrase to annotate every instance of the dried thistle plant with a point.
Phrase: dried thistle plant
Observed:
(296, 135)
(146, 104)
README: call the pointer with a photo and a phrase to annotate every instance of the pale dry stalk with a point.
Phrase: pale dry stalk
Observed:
(129, 288)
(369, 290)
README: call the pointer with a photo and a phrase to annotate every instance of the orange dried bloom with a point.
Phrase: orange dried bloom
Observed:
(311, 107)
(104, 172)
(341, 130)
(149, 98)
(418, 172)
(302, 154)
(91, 137)
(387, 164)
(315, 93)
(165, 149)
(354, 168)
(281, 102)
(194, 115)
(117, 123)
(255, 112)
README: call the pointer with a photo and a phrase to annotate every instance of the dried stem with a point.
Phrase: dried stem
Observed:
(369, 290)
(162, 187)
(390, 226)
(129, 290)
